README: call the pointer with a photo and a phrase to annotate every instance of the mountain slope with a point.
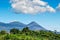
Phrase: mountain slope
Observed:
(35, 26)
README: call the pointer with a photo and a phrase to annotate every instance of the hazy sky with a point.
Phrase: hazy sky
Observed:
(44, 12)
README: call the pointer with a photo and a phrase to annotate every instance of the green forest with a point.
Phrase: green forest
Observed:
(26, 34)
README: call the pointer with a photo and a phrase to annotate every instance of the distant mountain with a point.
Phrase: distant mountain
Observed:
(16, 24)
(35, 26)
(8, 26)
(19, 25)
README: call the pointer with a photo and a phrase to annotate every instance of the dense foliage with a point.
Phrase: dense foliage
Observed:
(26, 34)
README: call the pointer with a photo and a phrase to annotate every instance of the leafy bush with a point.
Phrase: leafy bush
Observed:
(26, 34)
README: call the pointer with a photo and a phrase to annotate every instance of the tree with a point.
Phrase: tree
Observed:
(25, 29)
(14, 31)
(3, 32)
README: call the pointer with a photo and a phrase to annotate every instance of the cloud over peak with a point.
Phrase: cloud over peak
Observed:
(31, 6)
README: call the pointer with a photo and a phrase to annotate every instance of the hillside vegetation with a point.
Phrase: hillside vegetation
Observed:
(26, 34)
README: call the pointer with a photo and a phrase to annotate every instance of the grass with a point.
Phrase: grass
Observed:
(20, 37)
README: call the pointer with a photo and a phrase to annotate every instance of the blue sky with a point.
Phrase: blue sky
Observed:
(49, 20)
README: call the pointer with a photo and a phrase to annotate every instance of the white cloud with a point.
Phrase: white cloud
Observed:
(50, 9)
(58, 7)
(31, 6)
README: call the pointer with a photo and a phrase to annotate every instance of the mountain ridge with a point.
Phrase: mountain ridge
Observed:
(35, 26)
(32, 26)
